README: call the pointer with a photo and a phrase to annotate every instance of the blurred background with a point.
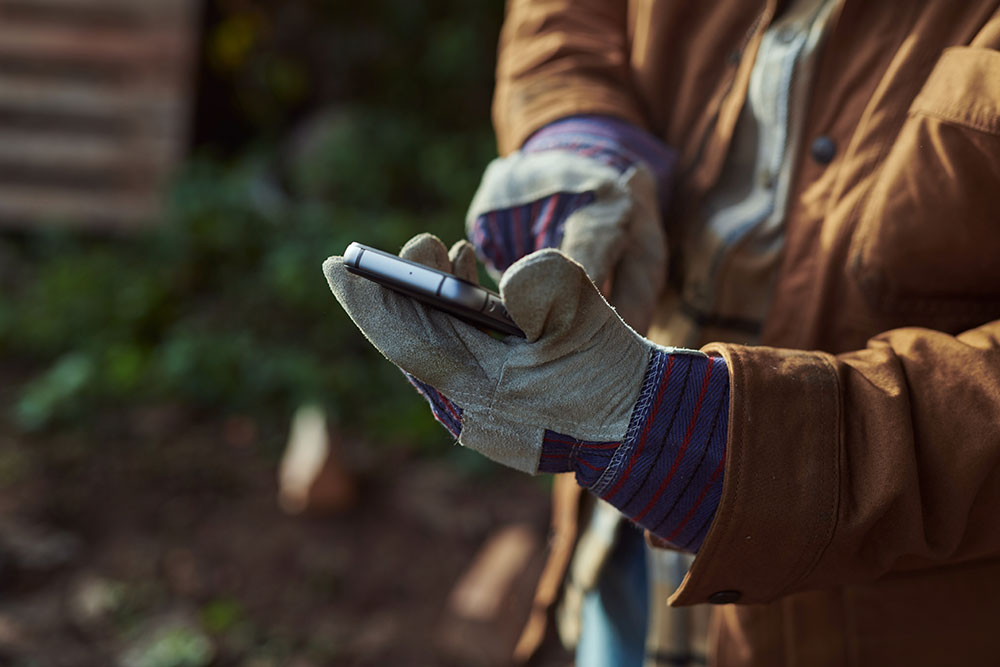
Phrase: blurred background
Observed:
(202, 462)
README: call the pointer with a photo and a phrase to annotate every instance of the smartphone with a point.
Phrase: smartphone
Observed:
(467, 301)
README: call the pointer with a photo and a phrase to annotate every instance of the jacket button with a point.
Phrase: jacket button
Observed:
(823, 149)
(725, 597)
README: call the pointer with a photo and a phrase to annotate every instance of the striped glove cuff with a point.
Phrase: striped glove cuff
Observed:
(666, 474)
(503, 236)
(611, 141)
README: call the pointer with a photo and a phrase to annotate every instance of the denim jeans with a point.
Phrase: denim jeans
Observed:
(614, 614)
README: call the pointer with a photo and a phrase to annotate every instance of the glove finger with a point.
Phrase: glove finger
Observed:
(547, 293)
(597, 250)
(463, 261)
(640, 273)
(595, 235)
(634, 294)
(428, 250)
(438, 349)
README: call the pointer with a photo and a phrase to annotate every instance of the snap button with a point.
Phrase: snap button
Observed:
(725, 597)
(823, 149)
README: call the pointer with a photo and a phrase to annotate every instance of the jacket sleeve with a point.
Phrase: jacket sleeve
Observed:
(843, 468)
(559, 58)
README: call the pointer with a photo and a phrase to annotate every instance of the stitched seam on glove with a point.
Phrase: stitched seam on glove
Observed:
(674, 446)
(657, 366)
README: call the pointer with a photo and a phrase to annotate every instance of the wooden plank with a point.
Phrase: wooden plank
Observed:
(28, 94)
(144, 9)
(483, 616)
(168, 50)
(39, 204)
(82, 151)
(19, 116)
(481, 591)
(94, 99)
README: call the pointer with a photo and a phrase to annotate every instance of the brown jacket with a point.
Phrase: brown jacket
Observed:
(860, 519)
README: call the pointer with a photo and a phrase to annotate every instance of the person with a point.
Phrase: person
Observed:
(796, 204)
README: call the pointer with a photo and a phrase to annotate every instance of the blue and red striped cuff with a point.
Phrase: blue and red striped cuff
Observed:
(504, 236)
(612, 141)
(667, 473)
(446, 412)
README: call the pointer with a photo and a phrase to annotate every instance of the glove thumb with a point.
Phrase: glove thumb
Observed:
(548, 294)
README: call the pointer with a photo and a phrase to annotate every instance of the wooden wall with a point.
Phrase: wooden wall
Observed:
(95, 98)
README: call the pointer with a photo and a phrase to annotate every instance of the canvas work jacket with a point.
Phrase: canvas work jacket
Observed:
(860, 517)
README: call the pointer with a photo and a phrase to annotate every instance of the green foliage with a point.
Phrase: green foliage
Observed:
(58, 389)
(177, 647)
(222, 615)
(435, 57)
(224, 306)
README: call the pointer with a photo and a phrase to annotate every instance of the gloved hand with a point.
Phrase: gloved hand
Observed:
(592, 186)
(643, 426)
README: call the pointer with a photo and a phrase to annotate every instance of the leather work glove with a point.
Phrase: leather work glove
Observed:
(643, 426)
(588, 185)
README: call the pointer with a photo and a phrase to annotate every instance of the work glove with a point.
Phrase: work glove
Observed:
(643, 426)
(592, 186)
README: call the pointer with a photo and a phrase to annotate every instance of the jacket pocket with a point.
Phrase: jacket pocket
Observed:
(928, 240)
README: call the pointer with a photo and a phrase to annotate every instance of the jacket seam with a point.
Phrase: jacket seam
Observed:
(963, 118)
(856, 244)
(728, 89)
(808, 557)
(834, 503)
(744, 424)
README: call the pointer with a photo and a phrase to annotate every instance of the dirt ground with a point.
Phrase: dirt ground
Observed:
(153, 539)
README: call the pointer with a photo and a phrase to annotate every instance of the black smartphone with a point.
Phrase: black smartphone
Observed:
(467, 301)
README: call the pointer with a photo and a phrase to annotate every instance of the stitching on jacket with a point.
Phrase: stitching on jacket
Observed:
(815, 535)
(717, 111)
(858, 244)
(835, 428)
(981, 122)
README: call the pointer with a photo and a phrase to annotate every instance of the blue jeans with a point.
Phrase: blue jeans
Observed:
(614, 614)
